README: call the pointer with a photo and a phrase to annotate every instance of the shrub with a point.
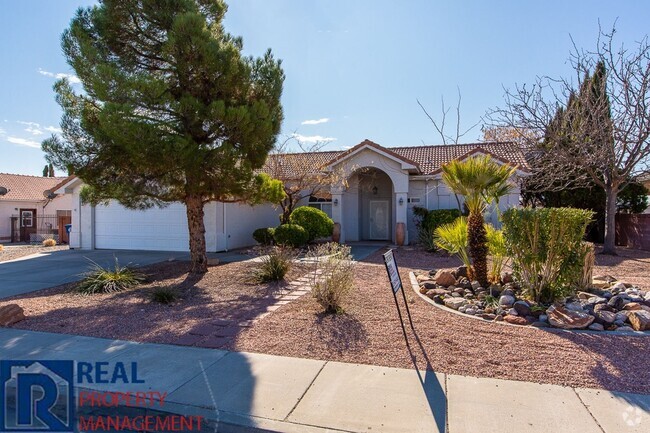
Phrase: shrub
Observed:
(333, 262)
(588, 262)
(546, 249)
(104, 280)
(427, 221)
(291, 235)
(315, 221)
(264, 236)
(164, 295)
(498, 252)
(49, 242)
(452, 237)
(275, 265)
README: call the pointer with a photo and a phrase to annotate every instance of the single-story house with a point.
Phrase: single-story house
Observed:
(382, 186)
(30, 211)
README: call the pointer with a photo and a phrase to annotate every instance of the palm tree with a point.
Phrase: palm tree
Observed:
(482, 181)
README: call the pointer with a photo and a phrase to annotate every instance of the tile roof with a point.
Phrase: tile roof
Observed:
(27, 188)
(429, 158)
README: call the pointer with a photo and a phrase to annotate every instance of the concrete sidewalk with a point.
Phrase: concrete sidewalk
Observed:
(257, 392)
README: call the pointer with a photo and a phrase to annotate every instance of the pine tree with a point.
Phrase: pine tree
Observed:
(46, 171)
(171, 109)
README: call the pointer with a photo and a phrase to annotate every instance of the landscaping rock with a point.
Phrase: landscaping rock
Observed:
(622, 316)
(618, 302)
(596, 327)
(603, 307)
(515, 320)
(444, 278)
(506, 300)
(624, 328)
(433, 292)
(471, 311)
(574, 306)
(422, 278)
(636, 306)
(618, 286)
(476, 285)
(563, 318)
(439, 299)
(512, 312)
(488, 316)
(10, 314)
(506, 277)
(499, 318)
(605, 317)
(640, 320)
(522, 308)
(455, 303)
(543, 318)
(429, 284)
(461, 271)
(508, 291)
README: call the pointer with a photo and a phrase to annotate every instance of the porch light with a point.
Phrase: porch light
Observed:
(374, 190)
(401, 201)
(336, 202)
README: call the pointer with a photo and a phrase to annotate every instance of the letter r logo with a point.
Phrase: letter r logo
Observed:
(36, 396)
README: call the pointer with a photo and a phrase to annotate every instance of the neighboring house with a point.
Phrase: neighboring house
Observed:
(382, 186)
(29, 209)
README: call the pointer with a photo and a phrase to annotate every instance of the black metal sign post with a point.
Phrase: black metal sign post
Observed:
(396, 285)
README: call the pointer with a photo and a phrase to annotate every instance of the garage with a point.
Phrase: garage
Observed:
(155, 229)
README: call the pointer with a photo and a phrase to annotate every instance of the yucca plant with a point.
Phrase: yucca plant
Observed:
(482, 181)
(498, 254)
(452, 237)
(103, 280)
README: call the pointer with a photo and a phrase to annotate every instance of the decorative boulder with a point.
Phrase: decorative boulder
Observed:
(10, 314)
(640, 320)
(563, 318)
(522, 308)
(507, 300)
(455, 303)
(444, 278)
(605, 317)
(436, 292)
(516, 320)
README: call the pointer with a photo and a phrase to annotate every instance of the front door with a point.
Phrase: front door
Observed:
(27, 221)
(379, 220)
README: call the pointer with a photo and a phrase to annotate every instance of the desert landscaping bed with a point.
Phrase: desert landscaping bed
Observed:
(12, 252)
(368, 332)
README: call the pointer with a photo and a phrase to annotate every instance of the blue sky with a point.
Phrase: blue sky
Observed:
(354, 68)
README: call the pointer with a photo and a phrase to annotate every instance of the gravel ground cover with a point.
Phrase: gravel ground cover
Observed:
(11, 252)
(368, 332)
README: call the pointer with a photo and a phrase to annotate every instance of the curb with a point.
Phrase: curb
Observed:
(416, 288)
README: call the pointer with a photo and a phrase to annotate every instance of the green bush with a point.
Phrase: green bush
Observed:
(546, 249)
(164, 295)
(315, 221)
(264, 236)
(275, 265)
(452, 237)
(427, 221)
(291, 235)
(498, 252)
(104, 280)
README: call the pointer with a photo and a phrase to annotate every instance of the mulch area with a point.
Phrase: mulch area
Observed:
(11, 252)
(368, 332)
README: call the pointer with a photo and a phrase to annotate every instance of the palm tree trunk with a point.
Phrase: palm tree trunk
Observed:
(478, 250)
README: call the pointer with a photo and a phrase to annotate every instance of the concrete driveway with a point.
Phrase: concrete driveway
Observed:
(44, 270)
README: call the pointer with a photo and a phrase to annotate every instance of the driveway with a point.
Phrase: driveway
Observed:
(44, 270)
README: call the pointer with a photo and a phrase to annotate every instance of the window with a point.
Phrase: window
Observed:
(27, 218)
(324, 204)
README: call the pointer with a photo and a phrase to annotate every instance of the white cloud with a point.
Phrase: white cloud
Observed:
(316, 122)
(34, 131)
(34, 124)
(53, 129)
(313, 138)
(2, 131)
(24, 142)
(72, 78)
(346, 147)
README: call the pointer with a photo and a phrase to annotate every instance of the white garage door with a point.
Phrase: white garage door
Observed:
(153, 229)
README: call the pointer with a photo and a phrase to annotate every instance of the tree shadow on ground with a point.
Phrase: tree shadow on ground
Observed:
(341, 332)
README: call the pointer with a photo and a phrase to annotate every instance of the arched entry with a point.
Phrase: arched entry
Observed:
(369, 205)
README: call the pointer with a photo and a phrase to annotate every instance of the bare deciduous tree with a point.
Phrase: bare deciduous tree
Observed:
(596, 128)
(440, 125)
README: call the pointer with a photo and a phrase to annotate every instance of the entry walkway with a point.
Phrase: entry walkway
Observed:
(257, 392)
